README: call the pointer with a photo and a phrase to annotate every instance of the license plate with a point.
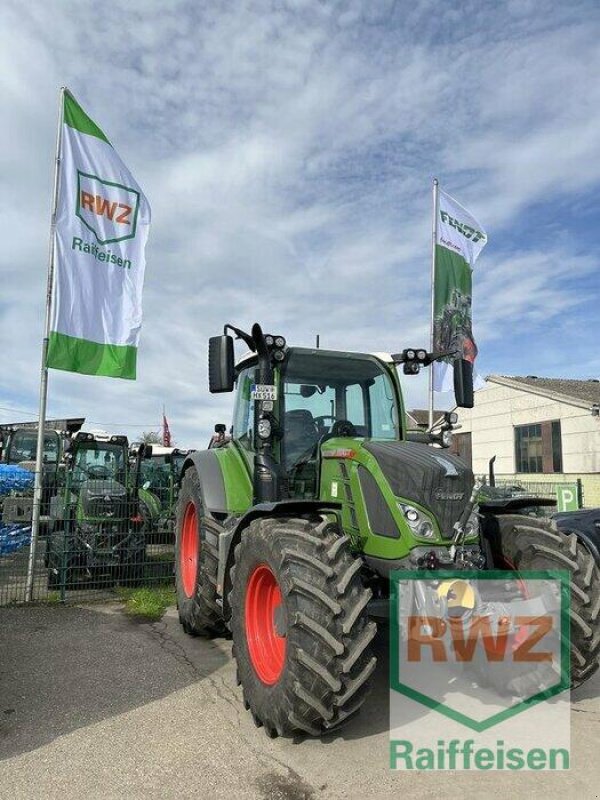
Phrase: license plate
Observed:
(263, 391)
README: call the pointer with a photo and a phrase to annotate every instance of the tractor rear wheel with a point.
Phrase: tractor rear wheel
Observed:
(532, 543)
(196, 562)
(301, 634)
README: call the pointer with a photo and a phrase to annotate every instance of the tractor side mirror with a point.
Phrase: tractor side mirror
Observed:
(463, 383)
(147, 452)
(221, 367)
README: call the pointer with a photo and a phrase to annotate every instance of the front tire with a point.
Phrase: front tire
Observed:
(530, 543)
(196, 562)
(301, 634)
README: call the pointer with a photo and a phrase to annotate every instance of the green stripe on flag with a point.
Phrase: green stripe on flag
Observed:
(75, 117)
(91, 358)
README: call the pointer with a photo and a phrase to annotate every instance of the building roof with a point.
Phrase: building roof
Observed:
(577, 392)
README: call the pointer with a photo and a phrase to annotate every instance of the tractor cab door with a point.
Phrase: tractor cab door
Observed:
(243, 415)
(329, 395)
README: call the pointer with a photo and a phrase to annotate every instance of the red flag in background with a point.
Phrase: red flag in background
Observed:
(166, 432)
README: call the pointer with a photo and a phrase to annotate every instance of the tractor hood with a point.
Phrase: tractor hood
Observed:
(427, 476)
(103, 498)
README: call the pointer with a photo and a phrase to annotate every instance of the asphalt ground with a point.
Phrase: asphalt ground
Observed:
(95, 705)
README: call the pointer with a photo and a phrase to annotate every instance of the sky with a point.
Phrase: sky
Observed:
(287, 150)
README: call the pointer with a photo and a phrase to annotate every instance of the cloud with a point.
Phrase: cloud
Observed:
(287, 150)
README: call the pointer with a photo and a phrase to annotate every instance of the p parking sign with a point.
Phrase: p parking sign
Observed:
(567, 497)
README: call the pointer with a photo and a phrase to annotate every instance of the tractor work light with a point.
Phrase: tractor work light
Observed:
(269, 340)
(421, 355)
(279, 342)
(410, 354)
(278, 355)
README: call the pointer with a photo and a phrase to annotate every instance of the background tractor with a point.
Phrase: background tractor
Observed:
(287, 533)
(96, 530)
(159, 482)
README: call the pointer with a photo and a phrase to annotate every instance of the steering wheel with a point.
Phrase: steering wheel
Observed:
(98, 471)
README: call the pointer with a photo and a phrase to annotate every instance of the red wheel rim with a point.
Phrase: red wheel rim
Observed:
(188, 550)
(266, 647)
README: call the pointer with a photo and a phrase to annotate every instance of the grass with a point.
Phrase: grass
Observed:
(147, 603)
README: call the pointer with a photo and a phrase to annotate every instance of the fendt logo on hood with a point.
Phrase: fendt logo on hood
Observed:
(109, 210)
(440, 494)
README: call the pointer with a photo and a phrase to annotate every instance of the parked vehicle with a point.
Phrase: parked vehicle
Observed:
(287, 533)
(585, 524)
(97, 532)
(159, 482)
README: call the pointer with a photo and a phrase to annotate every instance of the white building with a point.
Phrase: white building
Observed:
(539, 429)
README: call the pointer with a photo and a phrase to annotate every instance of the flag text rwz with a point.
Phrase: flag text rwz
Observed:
(102, 207)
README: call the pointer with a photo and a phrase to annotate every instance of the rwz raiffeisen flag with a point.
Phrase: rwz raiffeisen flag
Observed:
(460, 240)
(101, 230)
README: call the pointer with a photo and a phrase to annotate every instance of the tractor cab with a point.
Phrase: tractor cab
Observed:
(320, 396)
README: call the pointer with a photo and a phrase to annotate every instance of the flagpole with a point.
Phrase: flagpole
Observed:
(37, 490)
(433, 246)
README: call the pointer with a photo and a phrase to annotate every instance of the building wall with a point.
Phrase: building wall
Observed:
(498, 409)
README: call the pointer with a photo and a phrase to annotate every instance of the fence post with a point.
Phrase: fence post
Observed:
(580, 497)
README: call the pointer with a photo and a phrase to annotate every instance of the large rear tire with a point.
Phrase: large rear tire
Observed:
(196, 562)
(531, 543)
(301, 634)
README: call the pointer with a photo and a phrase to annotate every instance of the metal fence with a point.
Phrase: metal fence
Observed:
(95, 540)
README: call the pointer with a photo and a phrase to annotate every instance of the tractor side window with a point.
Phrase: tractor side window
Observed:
(383, 409)
(243, 412)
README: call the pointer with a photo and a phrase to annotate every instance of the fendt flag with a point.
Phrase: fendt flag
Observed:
(459, 241)
(101, 230)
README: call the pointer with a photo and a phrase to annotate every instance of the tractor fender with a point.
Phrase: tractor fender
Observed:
(232, 533)
(577, 526)
(212, 484)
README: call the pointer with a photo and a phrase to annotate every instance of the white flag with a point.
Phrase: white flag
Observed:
(460, 239)
(102, 227)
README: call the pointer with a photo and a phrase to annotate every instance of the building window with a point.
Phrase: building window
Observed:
(538, 447)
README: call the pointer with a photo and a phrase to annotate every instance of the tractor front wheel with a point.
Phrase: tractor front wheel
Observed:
(531, 543)
(196, 562)
(301, 634)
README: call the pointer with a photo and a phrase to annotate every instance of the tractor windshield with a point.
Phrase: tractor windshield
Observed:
(99, 460)
(334, 393)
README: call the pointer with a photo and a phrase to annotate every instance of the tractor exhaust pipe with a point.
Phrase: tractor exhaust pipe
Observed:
(492, 476)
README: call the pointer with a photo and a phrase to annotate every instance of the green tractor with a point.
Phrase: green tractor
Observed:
(159, 482)
(96, 529)
(287, 533)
